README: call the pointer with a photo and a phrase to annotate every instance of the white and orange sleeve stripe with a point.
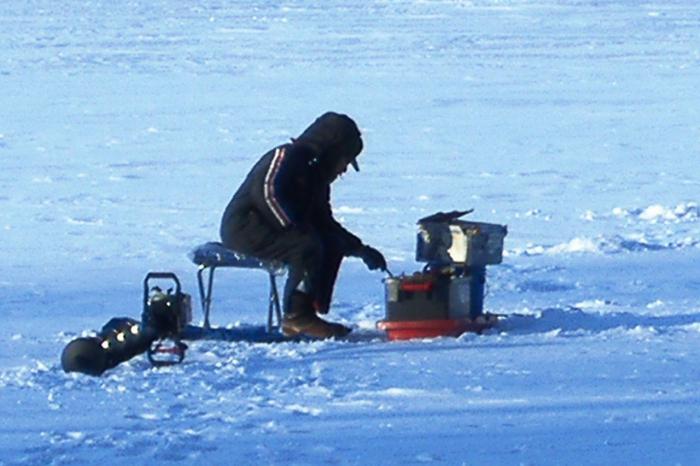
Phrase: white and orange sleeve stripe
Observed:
(270, 195)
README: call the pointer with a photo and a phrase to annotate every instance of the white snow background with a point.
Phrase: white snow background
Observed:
(126, 126)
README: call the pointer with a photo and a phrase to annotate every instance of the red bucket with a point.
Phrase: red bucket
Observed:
(406, 330)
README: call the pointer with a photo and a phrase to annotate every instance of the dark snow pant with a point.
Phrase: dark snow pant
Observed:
(311, 256)
(313, 263)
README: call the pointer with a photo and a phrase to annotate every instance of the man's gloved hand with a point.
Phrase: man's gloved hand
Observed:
(372, 258)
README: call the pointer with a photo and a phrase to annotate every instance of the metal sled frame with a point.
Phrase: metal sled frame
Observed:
(211, 256)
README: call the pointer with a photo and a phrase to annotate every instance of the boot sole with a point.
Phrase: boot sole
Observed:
(291, 332)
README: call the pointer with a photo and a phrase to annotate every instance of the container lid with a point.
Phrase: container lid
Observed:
(445, 217)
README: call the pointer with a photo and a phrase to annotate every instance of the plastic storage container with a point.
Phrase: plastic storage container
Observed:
(460, 242)
(427, 305)
(426, 296)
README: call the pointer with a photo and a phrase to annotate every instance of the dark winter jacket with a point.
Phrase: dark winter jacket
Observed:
(289, 188)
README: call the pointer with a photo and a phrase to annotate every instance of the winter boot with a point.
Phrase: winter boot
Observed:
(302, 320)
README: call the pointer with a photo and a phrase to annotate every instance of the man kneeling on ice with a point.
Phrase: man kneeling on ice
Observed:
(282, 212)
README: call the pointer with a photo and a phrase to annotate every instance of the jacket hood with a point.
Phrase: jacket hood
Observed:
(333, 136)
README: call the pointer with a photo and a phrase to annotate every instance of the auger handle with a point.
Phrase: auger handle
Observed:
(161, 276)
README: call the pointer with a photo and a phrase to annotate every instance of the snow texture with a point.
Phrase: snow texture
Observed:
(126, 126)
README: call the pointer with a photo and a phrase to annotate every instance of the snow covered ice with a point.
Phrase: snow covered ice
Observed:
(126, 126)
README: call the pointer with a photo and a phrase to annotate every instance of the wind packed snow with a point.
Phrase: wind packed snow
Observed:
(126, 126)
